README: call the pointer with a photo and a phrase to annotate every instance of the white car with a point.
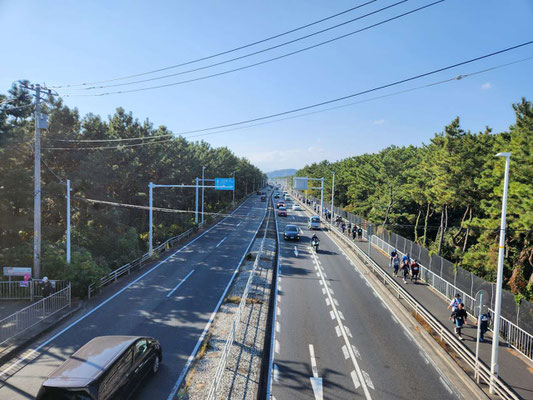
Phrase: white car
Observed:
(296, 207)
(314, 222)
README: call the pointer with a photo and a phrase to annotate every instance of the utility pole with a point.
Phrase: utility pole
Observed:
(37, 187)
(499, 280)
(150, 218)
(196, 208)
(203, 184)
(68, 221)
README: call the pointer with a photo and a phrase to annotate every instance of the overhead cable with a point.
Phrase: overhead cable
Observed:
(217, 54)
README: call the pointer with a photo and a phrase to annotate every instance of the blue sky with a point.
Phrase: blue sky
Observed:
(61, 41)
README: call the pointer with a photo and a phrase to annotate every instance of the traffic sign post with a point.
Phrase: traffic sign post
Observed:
(224, 184)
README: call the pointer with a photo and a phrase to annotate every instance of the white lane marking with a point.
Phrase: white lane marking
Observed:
(340, 329)
(356, 352)
(321, 283)
(296, 251)
(329, 283)
(325, 275)
(316, 382)
(219, 243)
(278, 311)
(445, 385)
(331, 291)
(179, 284)
(355, 380)
(313, 361)
(318, 275)
(328, 303)
(332, 314)
(277, 346)
(424, 357)
(238, 224)
(345, 352)
(279, 287)
(341, 315)
(276, 373)
(45, 343)
(348, 332)
(277, 326)
(279, 298)
(336, 302)
(323, 291)
(368, 380)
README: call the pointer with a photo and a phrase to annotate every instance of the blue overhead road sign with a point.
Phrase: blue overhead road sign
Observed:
(224, 184)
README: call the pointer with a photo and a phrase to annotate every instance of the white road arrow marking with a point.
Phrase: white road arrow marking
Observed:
(316, 382)
(296, 251)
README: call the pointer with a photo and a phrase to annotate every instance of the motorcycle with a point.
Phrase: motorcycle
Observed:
(314, 243)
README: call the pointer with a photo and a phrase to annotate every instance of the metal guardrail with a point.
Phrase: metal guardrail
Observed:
(34, 314)
(137, 263)
(483, 371)
(12, 290)
(213, 391)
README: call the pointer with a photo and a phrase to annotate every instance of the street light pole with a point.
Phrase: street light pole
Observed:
(332, 197)
(203, 190)
(37, 187)
(196, 203)
(68, 221)
(234, 185)
(150, 218)
(498, 300)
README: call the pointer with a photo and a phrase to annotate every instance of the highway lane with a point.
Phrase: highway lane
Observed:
(360, 349)
(149, 306)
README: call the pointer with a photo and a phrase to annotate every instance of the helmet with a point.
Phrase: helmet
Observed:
(45, 279)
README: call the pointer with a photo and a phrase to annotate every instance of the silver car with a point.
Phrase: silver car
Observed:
(314, 222)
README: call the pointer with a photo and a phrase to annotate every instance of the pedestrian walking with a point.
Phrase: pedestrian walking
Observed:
(354, 233)
(46, 287)
(405, 271)
(406, 258)
(343, 227)
(360, 234)
(454, 304)
(349, 227)
(396, 264)
(484, 326)
(415, 271)
(393, 254)
(460, 318)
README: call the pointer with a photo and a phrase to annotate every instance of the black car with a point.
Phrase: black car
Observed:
(107, 367)
(291, 233)
(263, 198)
(276, 196)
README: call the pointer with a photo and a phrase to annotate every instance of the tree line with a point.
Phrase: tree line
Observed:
(104, 236)
(447, 195)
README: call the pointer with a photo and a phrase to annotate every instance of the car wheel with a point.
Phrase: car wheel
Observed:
(157, 364)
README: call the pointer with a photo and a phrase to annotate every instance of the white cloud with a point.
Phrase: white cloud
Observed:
(378, 122)
(486, 86)
(288, 158)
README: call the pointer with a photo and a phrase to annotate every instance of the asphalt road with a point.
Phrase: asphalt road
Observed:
(326, 309)
(151, 305)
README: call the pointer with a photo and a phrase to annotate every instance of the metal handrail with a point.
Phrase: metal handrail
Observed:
(500, 387)
(33, 314)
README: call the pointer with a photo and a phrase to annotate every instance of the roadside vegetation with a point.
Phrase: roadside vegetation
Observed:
(446, 195)
(104, 236)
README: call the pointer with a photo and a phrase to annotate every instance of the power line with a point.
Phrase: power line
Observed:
(333, 100)
(172, 136)
(250, 54)
(217, 54)
(261, 62)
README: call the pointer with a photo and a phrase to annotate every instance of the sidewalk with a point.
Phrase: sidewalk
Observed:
(514, 368)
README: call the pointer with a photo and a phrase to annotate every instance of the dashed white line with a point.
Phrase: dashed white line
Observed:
(336, 302)
(314, 368)
(345, 352)
(279, 298)
(277, 326)
(328, 303)
(368, 381)
(338, 330)
(355, 380)
(341, 315)
(278, 311)
(445, 385)
(222, 241)
(276, 346)
(323, 291)
(332, 314)
(424, 357)
(348, 331)
(179, 284)
(356, 352)
(276, 373)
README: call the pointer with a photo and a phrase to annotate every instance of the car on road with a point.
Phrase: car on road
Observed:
(314, 222)
(286, 197)
(258, 192)
(296, 207)
(291, 233)
(263, 198)
(282, 212)
(276, 195)
(107, 367)
(280, 204)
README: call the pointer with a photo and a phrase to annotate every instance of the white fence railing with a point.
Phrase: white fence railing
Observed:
(34, 314)
(213, 391)
(483, 371)
(16, 290)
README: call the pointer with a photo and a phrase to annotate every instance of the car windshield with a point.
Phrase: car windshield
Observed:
(315, 219)
(282, 208)
(291, 228)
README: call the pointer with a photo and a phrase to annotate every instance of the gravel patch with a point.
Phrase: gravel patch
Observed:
(240, 378)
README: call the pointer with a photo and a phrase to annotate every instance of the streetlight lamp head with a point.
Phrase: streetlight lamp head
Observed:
(504, 154)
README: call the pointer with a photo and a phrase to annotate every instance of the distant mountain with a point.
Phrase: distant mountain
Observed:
(281, 173)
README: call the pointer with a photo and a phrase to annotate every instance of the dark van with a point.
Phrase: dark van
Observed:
(107, 367)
